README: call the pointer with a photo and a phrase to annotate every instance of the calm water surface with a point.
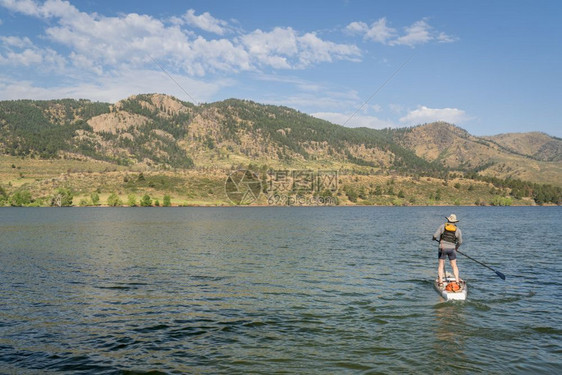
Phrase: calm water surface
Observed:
(330, 290)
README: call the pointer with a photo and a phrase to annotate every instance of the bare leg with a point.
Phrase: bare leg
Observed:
(441, 270)
(455, 270)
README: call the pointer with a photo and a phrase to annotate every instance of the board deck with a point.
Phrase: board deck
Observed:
(449, 296)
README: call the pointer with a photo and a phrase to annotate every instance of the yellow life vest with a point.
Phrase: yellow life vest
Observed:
(449, 234)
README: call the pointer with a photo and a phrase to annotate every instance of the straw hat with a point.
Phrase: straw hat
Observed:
(452, 218)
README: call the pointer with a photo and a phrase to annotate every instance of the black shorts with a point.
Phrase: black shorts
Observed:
(451, 253)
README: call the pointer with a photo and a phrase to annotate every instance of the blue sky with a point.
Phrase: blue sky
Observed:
(489, 67)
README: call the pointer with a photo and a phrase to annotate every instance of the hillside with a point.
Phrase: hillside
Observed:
(161, 131)
(535, 145)
(528, 156)
(169, 138)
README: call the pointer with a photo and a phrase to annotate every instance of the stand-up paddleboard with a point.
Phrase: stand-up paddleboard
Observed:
(451, 295)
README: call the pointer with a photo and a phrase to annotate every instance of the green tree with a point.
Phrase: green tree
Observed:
(62, 198)
(20, 198)
(326, 193)
(113, 200)
(146, 201)
(501, 201)
(362, 193)
(3, 196)
(351, 193)
(517, 193)
(132, 200)
(167, 201)
(95, 198)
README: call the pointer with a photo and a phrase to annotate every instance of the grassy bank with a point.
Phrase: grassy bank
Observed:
(89, 183)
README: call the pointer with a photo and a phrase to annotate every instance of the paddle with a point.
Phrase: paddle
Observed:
(500, 275)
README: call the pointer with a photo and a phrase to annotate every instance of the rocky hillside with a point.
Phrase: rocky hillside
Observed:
(526, 156)
(161, 132)
(535, 145)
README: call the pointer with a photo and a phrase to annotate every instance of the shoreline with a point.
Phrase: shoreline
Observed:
(279, 206)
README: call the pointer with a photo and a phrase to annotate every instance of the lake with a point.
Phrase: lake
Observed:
(285, 290)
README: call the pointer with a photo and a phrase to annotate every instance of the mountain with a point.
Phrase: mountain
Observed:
(129, 132)
(525, 156)
(536, 145)
(161, 132)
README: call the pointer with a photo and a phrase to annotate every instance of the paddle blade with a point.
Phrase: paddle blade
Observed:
(501, 275)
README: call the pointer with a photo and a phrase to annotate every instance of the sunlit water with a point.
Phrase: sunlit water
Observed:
(276, 290)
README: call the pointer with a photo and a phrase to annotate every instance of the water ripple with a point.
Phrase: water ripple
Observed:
(261, 291)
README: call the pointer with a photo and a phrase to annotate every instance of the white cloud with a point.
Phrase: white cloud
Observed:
(50, 8)
(59, 8)
(21, 52)
(103, 43)
(83, 63)
(16, 41)
(206, 22)
(420, 32)
(113, 87)
(27, 7)
(284, 48)
(444, 38)
(113, 40)
(136, 40)
(313, 50)
(355, 122)
(378, 31)
(26, 58)
(105, 49)
(272, 48)
(357, 27)
(216, 55)
(423, 114)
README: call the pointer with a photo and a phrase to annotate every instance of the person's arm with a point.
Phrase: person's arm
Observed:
(459, 238)
(438, 233)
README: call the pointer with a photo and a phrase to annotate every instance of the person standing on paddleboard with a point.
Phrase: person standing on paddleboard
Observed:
(450, 238)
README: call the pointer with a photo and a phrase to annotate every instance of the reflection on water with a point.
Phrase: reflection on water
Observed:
(450, 342)
(268, 290)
